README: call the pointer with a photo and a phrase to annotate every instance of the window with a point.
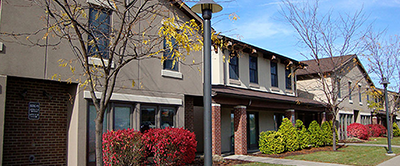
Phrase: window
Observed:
(367, 91)
(119, 115)
(169, 54)
(234, 68)
(338, 88)
(288, 76)
(359, 93)
(350, 91)
(253, 69)
(274, 74)
(157, 117)
(100, 27)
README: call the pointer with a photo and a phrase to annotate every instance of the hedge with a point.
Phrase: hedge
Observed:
(396, 130)
(357, 130)
(316, 138)
(289, 134)
(271, 142)
(303, 136)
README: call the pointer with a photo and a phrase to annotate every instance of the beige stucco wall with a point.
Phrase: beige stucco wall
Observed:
(226, 130)
(220, 72)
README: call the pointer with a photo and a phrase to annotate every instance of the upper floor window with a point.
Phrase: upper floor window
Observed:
(350, 98)
(100, 29)
(234, 68)
(359, 93)
(367, 92)
(253, 69)
(274, 74)
(170, 63)
(338, 88)
(288, 78)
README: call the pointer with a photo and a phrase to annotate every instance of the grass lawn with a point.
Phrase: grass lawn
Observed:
(383, 140)
(351, 155)
(260, 164)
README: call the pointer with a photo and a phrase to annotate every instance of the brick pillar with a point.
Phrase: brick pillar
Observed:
(290, 114)
(189, 113)
(323, 117)
(240, 125)
(216, 129)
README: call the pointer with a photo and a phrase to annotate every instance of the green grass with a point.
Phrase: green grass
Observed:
(351, 155)
(383, 140)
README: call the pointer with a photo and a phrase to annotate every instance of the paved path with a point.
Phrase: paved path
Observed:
(395, 161)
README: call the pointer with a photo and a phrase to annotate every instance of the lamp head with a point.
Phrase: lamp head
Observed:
(206, 5)
(384, 81)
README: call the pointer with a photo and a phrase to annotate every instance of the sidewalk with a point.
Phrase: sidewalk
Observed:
(391, 162)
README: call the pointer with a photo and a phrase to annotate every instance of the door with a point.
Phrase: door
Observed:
(252, 130)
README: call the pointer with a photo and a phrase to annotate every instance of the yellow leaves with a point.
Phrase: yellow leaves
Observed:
(133, 83)
(233, 17)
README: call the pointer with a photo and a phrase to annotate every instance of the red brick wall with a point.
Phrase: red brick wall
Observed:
(216, 129)
(45, 138)
(189, 113)
(240, 124)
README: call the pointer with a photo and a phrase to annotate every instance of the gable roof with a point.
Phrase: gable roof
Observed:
(326, 65)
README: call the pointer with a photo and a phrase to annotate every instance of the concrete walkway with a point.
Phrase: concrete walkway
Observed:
(391, 162)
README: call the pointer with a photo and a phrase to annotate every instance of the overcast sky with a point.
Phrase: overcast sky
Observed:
(262, 25)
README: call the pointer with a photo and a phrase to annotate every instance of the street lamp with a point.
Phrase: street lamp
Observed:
(206, 8)
(385, 82)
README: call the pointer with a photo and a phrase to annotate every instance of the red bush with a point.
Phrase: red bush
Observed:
(357, 130)
(171, 146)
(376, 130)
(123, 147)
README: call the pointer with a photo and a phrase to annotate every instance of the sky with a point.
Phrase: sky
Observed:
(261, 24)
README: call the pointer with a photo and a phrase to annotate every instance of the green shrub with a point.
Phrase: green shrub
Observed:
(327, 135)
(396, 130)
(303, 136)
(315, 134)
(289, 134)
(271, 142)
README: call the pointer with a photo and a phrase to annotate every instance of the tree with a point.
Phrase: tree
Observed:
(326, 36)
(383, 53)
(102, 46)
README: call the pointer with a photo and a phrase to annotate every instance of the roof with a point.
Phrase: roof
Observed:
(325, 64)
(227, 90)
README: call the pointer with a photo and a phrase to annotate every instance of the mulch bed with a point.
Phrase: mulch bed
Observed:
(228, 162)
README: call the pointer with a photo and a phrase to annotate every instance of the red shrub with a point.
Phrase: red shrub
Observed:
(123, 147)
(376, 130)
(171, 146)
(357, 130)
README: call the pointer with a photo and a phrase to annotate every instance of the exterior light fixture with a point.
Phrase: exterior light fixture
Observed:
(206, 8)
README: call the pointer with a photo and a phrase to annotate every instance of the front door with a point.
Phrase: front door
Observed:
(252, 130)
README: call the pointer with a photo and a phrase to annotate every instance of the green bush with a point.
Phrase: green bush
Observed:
(396, 130)
(303, 136)
(315, 134)
(271, 142)
(327, 135)
(289, 134)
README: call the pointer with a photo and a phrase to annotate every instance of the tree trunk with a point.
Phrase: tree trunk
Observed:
(334, 134)
(99, 136)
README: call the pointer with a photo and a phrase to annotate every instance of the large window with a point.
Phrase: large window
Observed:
(170, 62)
(253, 69)
(359, 93)
(100, 27)
(157, 116)
(274, 74)
(234, 68)
(116, 117)
(288, 78)
(350, 98)
(338, 88)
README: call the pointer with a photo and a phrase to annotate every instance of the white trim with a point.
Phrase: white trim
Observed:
(397, 118)
(138, 98)
(351, 101)
(361, 103)
(97, 62)
(345, 112)
(240, 106)
(365, 114)
(216, 105)
(290, 110)
(172, 74)
(102, 3)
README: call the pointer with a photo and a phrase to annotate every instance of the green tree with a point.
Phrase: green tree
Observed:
(303, 136)
(316, 136)
(289, 134)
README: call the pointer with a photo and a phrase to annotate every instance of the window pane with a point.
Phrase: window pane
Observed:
(122, 118)
(99, 24)
(234, 68)
(253, 69)
(169, 62)
(288, 79)
(274, 74)
(167, 117)
(148, 115)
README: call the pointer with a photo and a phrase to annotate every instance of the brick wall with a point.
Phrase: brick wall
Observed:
(189, 113)
(216, 129)
(45, 138)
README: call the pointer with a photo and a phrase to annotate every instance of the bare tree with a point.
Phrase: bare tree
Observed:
(383, 53)
(326, 36)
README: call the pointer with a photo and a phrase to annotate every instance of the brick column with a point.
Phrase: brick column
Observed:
(323, 117)
(189, 113)
(216, 129)
(290, 114)
(240, 125)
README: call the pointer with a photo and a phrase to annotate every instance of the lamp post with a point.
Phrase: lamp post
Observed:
(385, 82)
(206, 8)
